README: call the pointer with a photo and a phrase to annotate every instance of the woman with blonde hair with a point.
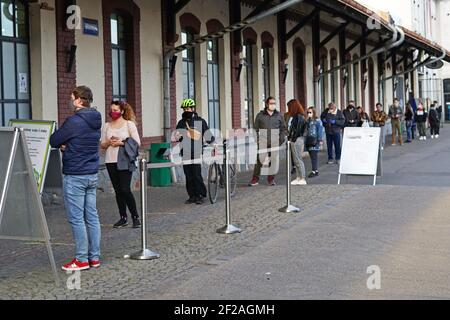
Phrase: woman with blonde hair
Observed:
(115, 134)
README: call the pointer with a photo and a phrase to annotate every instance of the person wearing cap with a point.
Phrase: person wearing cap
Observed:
(79, 139)
(192, 131)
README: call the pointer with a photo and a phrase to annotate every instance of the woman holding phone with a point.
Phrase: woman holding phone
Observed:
(115, 135)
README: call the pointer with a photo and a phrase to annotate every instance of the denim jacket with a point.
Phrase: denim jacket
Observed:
(315, 128)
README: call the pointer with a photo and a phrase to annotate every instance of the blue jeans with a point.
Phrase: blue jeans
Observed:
(334, 139)
(409, 125)
(80, 197)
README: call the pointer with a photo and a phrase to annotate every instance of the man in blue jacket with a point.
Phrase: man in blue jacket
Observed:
(333, 121)
(79, 139)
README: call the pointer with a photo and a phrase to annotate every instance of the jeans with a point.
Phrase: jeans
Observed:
(314, 155)
(297, 149)
(409, 129)
(334, 139)
(80, 197)
(121, 181)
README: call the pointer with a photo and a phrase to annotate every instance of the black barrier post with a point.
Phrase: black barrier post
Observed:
(228, 228)
(288, 208)
(144, 254)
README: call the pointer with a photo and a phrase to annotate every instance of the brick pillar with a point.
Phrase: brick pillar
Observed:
(66, 81)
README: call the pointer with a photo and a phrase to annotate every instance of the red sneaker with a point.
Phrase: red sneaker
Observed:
(254, 182)
(76, 265)
(271, 181)
(94, 263)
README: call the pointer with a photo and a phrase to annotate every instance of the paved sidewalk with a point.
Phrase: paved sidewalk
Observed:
(185, 235)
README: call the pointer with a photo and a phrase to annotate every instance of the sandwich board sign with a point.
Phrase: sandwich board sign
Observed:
(21, 213)
(38, 135)
(360, 152)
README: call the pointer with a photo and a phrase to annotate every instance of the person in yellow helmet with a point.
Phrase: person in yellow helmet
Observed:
(194, 128)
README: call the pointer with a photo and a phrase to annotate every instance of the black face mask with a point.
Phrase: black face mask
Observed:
(188, 114)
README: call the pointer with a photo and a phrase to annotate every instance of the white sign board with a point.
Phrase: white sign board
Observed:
(37, 135)
(360, 150)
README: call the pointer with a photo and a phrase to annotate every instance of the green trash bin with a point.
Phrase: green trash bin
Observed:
(159, 177)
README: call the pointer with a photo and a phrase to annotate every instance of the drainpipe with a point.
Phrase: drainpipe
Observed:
(166, 83)
(427, 61)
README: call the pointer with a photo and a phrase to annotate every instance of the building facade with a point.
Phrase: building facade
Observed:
(117, 48)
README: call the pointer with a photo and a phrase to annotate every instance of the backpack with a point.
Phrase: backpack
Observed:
(312, 136)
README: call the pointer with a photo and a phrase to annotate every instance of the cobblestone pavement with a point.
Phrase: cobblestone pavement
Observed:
(185, 238)
(185, 235)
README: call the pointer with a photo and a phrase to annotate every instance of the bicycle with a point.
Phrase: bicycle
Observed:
(216, 177)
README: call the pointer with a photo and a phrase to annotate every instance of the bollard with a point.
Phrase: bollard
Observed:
(144, 254)
(288, 208)
(229, 228)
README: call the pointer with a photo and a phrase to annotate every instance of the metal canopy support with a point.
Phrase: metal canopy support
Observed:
(302, 23)
(180, 5)
(233, 27)
(397, 39)
(334, 33)
(237, 26)
(429, 60)
(316, 56)
(260, 8)
(360, 39)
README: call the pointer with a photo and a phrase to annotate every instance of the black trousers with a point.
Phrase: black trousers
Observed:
(194, 181)
(434, 128)
(121, 181)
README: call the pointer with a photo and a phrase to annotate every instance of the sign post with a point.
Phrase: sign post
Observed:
(37, 135)
(21, 213)
(360, 152)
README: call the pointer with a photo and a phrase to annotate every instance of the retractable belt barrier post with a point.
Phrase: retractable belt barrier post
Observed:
(144, 254)
(228, 228)
(288, 208)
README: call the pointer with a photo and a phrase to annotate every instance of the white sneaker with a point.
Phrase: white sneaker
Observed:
(436, 136)
(432, 136)
(296, 182)
(302, 182)
(424, 138)
(420, 138)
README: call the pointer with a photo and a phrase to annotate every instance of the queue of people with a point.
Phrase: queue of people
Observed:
(83, 136)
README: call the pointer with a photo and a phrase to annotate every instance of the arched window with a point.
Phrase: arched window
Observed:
(334, 76)
(300, 71)
(356, 81)
(119, 57)
(265, 56)
(15, 66)
(212, 50)
(188, 66)
(248, 85)
(324, 80)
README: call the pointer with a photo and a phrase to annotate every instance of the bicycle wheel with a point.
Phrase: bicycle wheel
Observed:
(233, 179)
(213, 182)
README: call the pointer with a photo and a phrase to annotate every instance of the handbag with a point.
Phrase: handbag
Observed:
(193, 133)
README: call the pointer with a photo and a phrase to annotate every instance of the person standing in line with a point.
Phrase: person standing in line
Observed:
(433, 119)
(379, 118)
(421, 118)
(334, 121)
(121, 131)
(196, 132)
(409, 119)
(364, 120)
(351, 116)
(296, 130)
(395, 114)
(439, 111)
(268, 121)
(313, 140)
(79, 140)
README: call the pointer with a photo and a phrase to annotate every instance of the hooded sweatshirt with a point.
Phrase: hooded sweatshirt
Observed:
(80, 134)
